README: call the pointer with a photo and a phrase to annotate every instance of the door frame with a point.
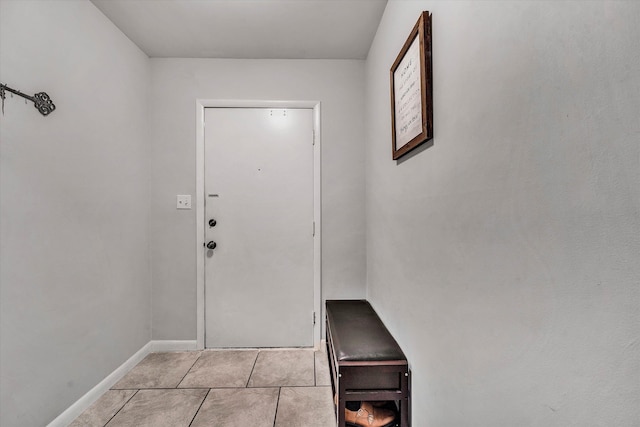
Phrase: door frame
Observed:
(201, 104)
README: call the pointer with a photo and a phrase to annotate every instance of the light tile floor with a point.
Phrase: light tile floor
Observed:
(221, 388)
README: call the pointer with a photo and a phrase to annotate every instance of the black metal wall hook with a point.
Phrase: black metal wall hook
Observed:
(40, 100)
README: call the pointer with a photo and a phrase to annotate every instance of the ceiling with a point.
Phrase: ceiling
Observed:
(259, 29)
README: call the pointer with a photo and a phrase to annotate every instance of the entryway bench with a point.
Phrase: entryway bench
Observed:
(366, 362)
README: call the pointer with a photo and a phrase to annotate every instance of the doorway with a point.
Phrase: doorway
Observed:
(258, 210)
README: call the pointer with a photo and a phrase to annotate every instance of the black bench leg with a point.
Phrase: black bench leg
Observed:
(404, 404)
(342, 404)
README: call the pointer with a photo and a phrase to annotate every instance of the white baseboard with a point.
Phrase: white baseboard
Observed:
(166, 345)
(73, 411)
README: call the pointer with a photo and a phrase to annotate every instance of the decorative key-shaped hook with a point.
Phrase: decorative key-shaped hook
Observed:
(40, 100)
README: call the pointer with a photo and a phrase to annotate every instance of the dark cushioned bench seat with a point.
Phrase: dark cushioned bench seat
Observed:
(366, 362)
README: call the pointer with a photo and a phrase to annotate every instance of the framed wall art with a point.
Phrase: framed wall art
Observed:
(411, 90)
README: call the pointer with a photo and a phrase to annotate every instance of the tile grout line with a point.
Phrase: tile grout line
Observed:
(121, 408)
(199, 407)
(219, 387)
(252, 369)
(189, 370)
(275, 416)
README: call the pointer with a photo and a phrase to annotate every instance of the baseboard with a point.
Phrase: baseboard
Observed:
(166, 345)
(73, 411)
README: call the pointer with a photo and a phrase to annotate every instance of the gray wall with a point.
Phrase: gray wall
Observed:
(176, 84)
(504, 258)
(74, 196)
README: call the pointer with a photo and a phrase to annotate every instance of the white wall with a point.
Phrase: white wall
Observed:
(176, 84)
(504, 258)
(74, 193)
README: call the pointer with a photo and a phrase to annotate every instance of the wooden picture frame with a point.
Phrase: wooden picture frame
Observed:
(411, 90)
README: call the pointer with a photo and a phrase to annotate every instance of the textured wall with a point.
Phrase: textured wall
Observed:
(176, 84)
(74, 270)
(504, 258)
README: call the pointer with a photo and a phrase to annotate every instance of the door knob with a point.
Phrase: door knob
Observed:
(211, 245)
(212, 223)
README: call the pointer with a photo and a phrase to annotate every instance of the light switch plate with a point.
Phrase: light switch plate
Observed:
(183, 201)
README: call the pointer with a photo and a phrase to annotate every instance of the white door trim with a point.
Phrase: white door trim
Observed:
(201, 104)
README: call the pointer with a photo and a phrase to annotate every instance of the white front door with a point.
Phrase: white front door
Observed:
(259, 278)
